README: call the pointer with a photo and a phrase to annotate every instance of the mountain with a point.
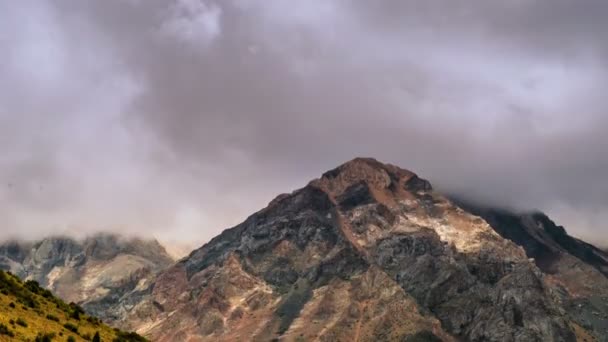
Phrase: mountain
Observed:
(31, 313)
(370, 252)
(96, 273)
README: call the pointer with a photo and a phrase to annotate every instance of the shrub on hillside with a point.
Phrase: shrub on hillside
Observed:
(71, 327)
(6, 331)
(33, 286)
(94, 320)
(52, 318)
(48, 337)
(76, 311)
(20, 321)
(46, 294)
(129, 337)
(12, 285)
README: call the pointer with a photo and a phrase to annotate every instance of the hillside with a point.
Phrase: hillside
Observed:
(31, 313)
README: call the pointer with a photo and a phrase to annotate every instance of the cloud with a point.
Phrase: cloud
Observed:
(179, 118)
(193, 22)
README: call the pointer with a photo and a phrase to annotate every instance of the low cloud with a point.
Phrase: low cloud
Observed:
(180, 118)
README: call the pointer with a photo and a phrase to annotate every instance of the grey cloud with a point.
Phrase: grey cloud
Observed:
(210, 108)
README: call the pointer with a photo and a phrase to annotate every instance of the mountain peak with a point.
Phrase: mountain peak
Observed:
(380, 178)
(366, 169)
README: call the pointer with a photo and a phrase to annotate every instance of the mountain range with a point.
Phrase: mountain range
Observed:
(97, 272)
(367, 252)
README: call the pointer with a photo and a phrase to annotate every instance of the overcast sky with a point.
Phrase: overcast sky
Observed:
(179, 118)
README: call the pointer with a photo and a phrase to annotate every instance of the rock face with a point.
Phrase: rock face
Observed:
(576, 270)
(96, 273)
(367, 252)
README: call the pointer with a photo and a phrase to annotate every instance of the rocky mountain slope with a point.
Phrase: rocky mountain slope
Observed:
(370, 252)
(576, 270)
(97, 272)
(31, 313)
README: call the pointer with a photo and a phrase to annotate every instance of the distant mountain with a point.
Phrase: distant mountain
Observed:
(370, 252)
(97, 272)
(31, 313)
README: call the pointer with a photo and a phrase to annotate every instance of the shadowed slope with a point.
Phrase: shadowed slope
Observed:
(575, 269)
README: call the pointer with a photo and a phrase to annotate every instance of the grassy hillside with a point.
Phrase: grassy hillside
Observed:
(31, 313)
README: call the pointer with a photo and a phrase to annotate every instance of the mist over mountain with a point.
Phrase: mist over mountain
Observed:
(95, 272)
(178, 118)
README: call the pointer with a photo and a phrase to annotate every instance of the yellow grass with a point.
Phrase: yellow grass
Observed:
(37, 321)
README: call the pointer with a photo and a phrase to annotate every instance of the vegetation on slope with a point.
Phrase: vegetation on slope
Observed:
(29, 312)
